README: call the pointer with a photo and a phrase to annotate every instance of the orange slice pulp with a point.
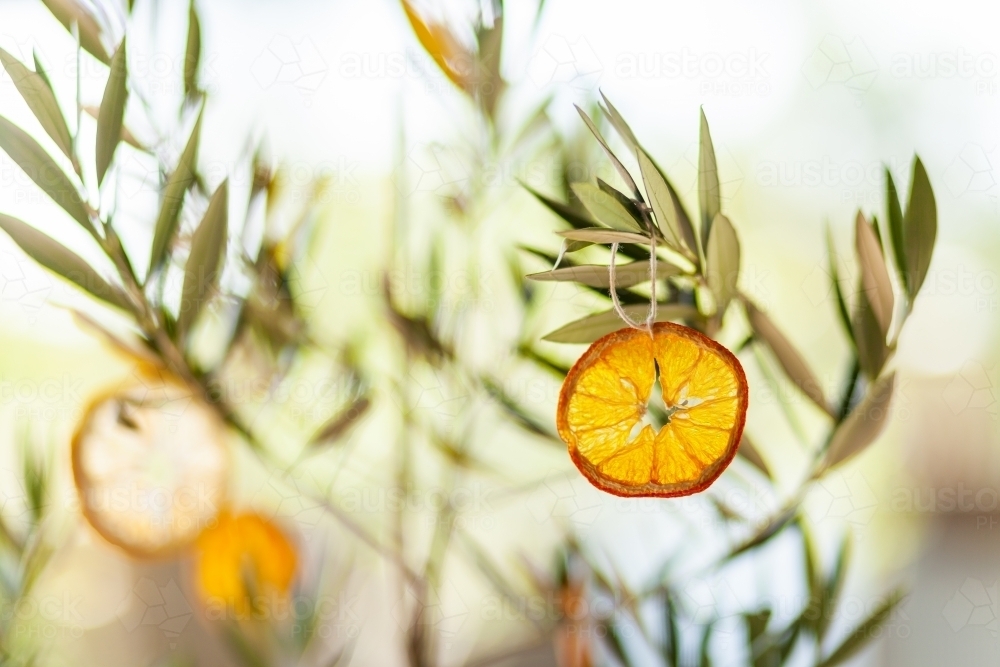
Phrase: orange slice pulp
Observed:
(604, 419)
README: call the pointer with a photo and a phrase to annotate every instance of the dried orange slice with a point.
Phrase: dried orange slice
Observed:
(150, 464)
(603, 416)
(241, 558)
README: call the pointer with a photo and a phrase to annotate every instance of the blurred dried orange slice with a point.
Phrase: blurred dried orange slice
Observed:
(241, 560)
(150, 466)
(603, 415)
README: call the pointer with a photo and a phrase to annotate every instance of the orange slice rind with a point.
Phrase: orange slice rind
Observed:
(603, 408)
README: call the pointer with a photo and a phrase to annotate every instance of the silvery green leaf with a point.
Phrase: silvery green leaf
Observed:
(919, 228)
(592, 327)
(864, 424)
(874, 274)
(864, 633)
(112, 113)
(208, 246)
(788, 357)
(661, 200)
(622, 199)
(61, 260)
(845, 318)
(37, 93)
(868, 337)
(722, 262)
(894, 216)
(178, 183)
(709, 194)
(605, 208)
(601, 235)
(70, 12)
(619, 167)
(562, 210)
(597, 275)
(621, 127)
(192, 54)
(40, 167)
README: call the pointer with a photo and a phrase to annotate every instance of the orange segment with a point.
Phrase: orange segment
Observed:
(602, 414)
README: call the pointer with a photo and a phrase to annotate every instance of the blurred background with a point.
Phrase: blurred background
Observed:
(391, 165)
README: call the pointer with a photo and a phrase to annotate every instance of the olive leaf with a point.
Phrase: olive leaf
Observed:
(722, 262)
(864, 633)
(179, 181)
(127, 135)
(869, 338)
(874, 274)
(894, 216)
(70, 12)
(628, 204)
(618, 122)
(662, 201)
(112, 113)
(597, 275)
(208, 245)
(752, 455)
(192, 53)
(592, 327)
(602, 235)
(564, 211)
(919, 229)
(835, 584)
(864, 424)
(61, 260)
(619, 167)
(37, 93)
(340, 423)
(443, 47)
(42, 169)
(605, 208)
(791, 361)
(709, 195)
(831, 258)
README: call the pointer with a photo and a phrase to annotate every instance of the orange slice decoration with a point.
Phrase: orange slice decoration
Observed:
(603, 416)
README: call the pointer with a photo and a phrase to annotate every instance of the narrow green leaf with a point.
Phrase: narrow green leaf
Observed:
(112, 114)
(621, 127)
(762, 536)
(619, 167)
(180, 180)
(920, 228)
(704, 654)
(37, 93)
(40, 69)
(722, 262)
(562, 210)
(864, 424)
(192, 54)
(592, 327)
(788, 357)
(868, 337)
(662, 201)
(597, 275)
(864, 633)
(340, 423)
(208, 246)
(602, 235)
(752, 455)
(813, 612)
(671, 643)
(894, 215)
(844, 316)
(709, 194)
(605, 208)
(622, 199)
(40, 167)
(61, 260)
(835, 584)
(71, 11)
(874, 273)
